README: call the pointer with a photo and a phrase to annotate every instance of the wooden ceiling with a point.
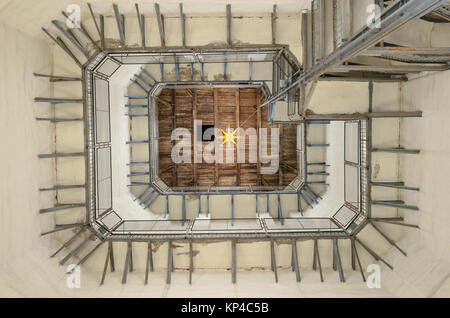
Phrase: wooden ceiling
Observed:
(221, 108)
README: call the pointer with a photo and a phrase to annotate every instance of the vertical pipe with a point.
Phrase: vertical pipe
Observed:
(191, 262)
(183, 211)
(102, 28)
(183, 26)
(161, 68)
(233, 262)
(274, 25)
(338, 260)
(202, 70)
(207, 205)
(126, 265)
(352, 243)
(105, 268)
(160, 19)
(305, 40)
(273, 260)
(357, 258)
(229, 24)
(232, 210)
(299, 203)
(169, 263)
(295, 259)
(166, 209)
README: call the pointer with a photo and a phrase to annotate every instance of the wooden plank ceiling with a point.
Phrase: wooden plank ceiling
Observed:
(221, 108)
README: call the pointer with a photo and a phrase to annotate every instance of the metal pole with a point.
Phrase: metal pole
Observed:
(160, 19)
(183, 25)
(391, 19)
(316, 248)
(169, 263)
(338, 260)
(295, 259)
(120, 25)
(233, 262)
(273, 260)
(387, 238)
(105, 268)
(191, 262)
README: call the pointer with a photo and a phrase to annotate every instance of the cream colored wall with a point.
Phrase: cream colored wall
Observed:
(26, 269)
(426, 269)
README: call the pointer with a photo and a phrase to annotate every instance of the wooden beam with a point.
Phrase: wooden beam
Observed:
(194, 129)
(174, 126)
(237, 114)
(216, 122)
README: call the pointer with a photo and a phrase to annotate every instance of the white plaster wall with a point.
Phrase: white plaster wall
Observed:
(426, 269)
(26, 269)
